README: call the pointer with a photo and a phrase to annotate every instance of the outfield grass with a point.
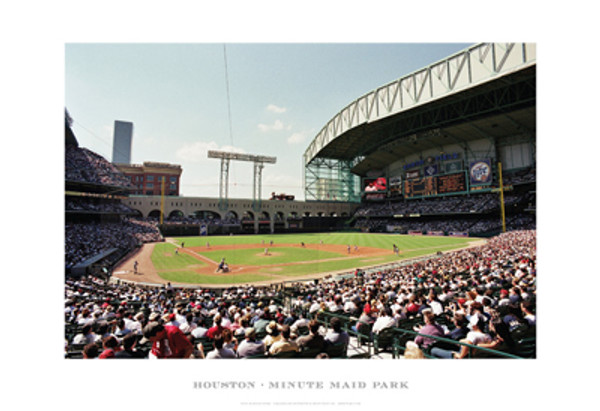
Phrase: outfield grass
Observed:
(305, 261)
(385, 241)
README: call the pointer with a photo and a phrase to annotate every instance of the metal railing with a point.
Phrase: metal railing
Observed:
(371, 340)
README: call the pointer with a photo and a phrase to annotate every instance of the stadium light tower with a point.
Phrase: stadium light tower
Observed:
(259, 162)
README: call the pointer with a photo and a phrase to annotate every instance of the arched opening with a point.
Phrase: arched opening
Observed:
(154, 214)
(206, 215)
(333, 214)
(231, 216)
(307, 214)
(176, 215)
(248, 216)
(264, 216)
(136, 213)
(279, 216)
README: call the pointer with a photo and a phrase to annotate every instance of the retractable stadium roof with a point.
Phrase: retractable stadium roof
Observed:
(486, 90)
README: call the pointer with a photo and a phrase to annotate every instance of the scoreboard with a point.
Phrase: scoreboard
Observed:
(433, 185)
(451, 183)
(424, 186)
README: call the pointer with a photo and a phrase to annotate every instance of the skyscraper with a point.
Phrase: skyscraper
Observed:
(123, 134)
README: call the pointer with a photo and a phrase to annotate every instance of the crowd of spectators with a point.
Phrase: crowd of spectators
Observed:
(83, 165)
(86, 204)
(85, 240)
(480, 203)
(486, 292)
(191, 220)
(527, 175)
(483, 224)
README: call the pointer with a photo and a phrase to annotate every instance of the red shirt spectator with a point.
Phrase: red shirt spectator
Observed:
(168, 341)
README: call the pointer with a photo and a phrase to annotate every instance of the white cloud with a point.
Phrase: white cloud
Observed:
(198, 151)
(297, 138)
(276, 109)
(281, 183)
(278, 125)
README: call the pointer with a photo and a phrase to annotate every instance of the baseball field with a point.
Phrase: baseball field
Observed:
(273, 258)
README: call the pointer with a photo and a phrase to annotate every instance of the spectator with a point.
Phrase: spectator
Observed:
(336, 335)
(129, 351)
(229, 341)
(529, 316)
(219, 351)
(90, 351)
(87, 336)
(250, 347)
(111, 346)
(217, 328)
(285, 344)
(188, 325)
(273, 334)
(167, 341)
(385, 320)
(313, 340)
(430, 328)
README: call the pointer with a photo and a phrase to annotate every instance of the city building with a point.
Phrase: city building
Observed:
(122, 136)
(147, 178)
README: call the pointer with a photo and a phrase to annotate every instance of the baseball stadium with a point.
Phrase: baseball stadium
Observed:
(416, 237)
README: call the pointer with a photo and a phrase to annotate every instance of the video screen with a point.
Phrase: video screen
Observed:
(372, 185)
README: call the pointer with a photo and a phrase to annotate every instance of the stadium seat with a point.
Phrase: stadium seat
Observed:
(303, 330)
(384, 342)
(526, 347)
(309, 352)
(522, 331)
(284, 354)
(206, 342)
(76, 347)
(337, 350)
(75, 354)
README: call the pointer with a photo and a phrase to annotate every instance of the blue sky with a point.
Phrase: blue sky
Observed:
(280, 96)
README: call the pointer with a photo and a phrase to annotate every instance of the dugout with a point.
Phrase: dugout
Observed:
(94, 264)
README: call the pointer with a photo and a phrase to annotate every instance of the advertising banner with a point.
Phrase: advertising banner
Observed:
(430, 170)
(458, 233)
(413, 174)
(395, 181)
(480, 172)
(453, 166)
(414, 232)
(435, 233)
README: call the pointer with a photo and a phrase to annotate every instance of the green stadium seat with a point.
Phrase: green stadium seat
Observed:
(74, 354)
(526, 347)
(303, 330)
(206, 342)
(384, 342)
(284, 354)
(337, 350)
(309, 352)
